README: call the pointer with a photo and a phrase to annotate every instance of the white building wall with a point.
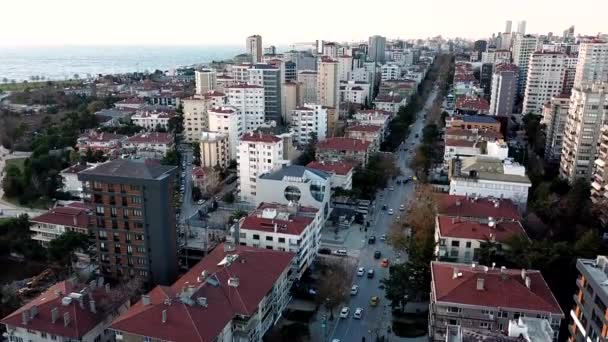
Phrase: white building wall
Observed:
(227, 123)
(255, 159)
(517, 192)
(307, 121)
(249, 104)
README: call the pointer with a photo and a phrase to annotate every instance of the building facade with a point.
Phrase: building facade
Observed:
(546, 77)
(588, 323)
(309, 120)
(555, 115)
(523, 48)
(215, 149)
(205, 81)
(344, 149)
(328, 93)
(226, 120)
(249, 103)
(503, 89)
(254, 48)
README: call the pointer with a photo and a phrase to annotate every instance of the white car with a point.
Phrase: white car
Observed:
(383, 237)
(391, 188)
(360, 272)
(344, 312)
(402, 207)
(354, 290)
(200, 201)
(391, 212)
(358, 313)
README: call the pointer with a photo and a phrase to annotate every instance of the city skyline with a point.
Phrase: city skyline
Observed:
(68, 23)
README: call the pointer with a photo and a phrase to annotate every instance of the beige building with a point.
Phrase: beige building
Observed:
(344, 149)
(308, 81)
(215, 149)
(328, 87)
(196, 117)
(291, 97)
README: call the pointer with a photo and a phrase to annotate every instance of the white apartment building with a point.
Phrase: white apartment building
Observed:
(390, 72)
(341, 172)
(546, 75)
(196, 118)
(226, 120)
(284, 228)
(309, 119)
(503, 89)
(587, 113)
(224, 81)
(151, 120)
(555, 115)
(248, 102)
(240, 72)
(308, 90)
(354, 92)
(360, 75)
(330, 49)
(327, 83)
(215, 149)
(471, 148)
(496, 56)
(205, 81)
(489, 177)
(374, 117)
(345, 66)
(55, 222)
(592, 65)
(523, 47)
(153, 145)
(258, 154)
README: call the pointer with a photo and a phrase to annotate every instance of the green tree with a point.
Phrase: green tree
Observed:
(310, 151)
(62, 248)
(13, 184)
(229, 198)
(171, 158)
(196, 153)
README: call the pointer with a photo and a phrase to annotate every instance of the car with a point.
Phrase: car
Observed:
(200, 202)
(391, 189)
(383, 237)
(414, 178)
(358, 313)
(335, 340)
(372, 240)
(344, 312)
(374, 301)
(341, 252)
(384, 263)
(360, 272)
(402, 207)
(377, 254)
(324, 251)
(405, 149)
(354, 290)
(390, 212)
(416, 136)
(384, 207)
(398, 182)
(370, 273)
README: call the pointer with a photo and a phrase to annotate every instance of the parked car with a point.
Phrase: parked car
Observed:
(402, 207)
(341, 252)
(374, 301)
(384, 263)
(360, 272)
(383, 237)
(344, 312)
(372, 240)
(390, 212)
(370, 273)
(377, 254)
(358, 313)
(354, 290)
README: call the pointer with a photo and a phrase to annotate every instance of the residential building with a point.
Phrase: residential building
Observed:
(599, 177)
(592, 65)
(258, 153)
(471, 105)
(269, 77)
(485, 79)
(374, 117)
(354, 92)
(496, 57)
(521, 27)
(341, 172)
(546, 76)
(67, 311)
(149, 145)
(489, 177)
(469, 122)
(473, 296)
(235, 293)
(240, 72)
(368, 133)
(196, 118)
(390, 72)
(458, 148)
(215, 149)
(133, 225)
(503, 89)
(73, 217)
(207, 179)
(108, 143)
(249, 104)
(291, 99)
(508, 25)
(345, 66)
(297, 185)
(280, 227)
(330, 49)
(589, 310)
(133, 103)
(152, 120)
(205, 81)
(460, 239)
(308, 81)
(587, 113)
(224, 81)
(555, 115)
(476, 208)
(226, 120)
(254, 48)
(344, 149)
(308, 120)
(71, 184)
(455, 133)
(377, 47)
(523, 329)
(390, 103)
(328, 93)
(523, 47)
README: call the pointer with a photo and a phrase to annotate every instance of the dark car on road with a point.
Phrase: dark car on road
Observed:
(377, 254)
(372, 240)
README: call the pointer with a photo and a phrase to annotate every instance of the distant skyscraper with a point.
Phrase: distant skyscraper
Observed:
(480, 46)
(254, 48)
(377, 45)
(521, 27)
(523, 48)
(508, 26)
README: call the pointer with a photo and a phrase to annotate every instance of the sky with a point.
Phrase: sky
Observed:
(281, 22)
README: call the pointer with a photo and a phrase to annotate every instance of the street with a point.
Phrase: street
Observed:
(376, 321)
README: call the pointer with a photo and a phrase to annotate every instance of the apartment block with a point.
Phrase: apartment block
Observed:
(228, 121)
(369, 133)
(523, 47)
(308, 81)
(205, 81)
(149, 145)
(545, 79)
(588, 322)
(215, 149)
(344, 149)
(70, 218)
(196, 118)
(328, 93)
(133, 221)
(503, 89)
(341, 173)
(592, 65)
(254, 48)
(555, 115)
(269, 77)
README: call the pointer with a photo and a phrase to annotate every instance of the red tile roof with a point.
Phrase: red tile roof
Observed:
(456, 227)
(292, 225)
(469, 103)
(337, 167)
(82, 320)
(257, 271)
(260, 137)
(154, 137)
(462, 206)
(459, 143)
(340, 143)
(501, 290)
(198, 172)
(65, 216)
(364, 128)
(505, 67)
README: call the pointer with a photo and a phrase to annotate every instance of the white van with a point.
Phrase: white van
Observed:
(341, 252)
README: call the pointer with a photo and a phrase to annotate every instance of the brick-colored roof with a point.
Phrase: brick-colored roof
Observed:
(340, 143)
(153, 137)
(456, 227)
(71, 216)
(260, 137)
(459, 143)
(469, 103)
(502, 289)
(364, 128)
(82, 320)
(337, 167)
(257, 271)
(294, 225)
(463, 206)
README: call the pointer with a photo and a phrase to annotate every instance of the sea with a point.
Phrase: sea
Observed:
(64, 62)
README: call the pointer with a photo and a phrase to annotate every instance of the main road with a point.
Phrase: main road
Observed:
(377, 320)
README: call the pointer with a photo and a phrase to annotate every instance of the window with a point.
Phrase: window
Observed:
(134, 187)
(455, 243)
(269, 238)
(141, 250)
(256, 236)
(137, 212)
(503, 314)
(600, 304)
(487, 312)
(468, 245)
(135, 199)
(281, 240)
(454, 309)
(99, 210)
(484, 325)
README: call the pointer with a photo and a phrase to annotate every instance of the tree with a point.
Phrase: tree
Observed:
(171, 158)
(334, 283)
(13, 184)
(62, 248)
(196, 153)
(229, 198)
(310, 150)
